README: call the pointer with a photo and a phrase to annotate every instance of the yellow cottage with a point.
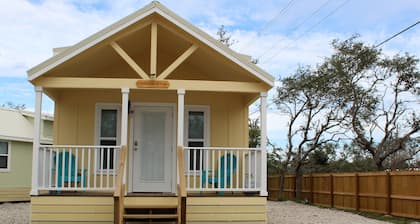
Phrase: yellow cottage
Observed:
(151, 124)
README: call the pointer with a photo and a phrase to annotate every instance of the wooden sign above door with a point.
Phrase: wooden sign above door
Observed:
(154, 84)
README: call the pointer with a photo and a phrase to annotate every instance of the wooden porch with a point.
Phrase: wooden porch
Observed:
(206, 178)
(111, 203)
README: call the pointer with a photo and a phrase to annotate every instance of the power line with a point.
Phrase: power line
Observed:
(309, 30)
(296, 27)
(395, 35)
(269, 23)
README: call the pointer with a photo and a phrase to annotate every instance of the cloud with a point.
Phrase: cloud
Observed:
(33, 29)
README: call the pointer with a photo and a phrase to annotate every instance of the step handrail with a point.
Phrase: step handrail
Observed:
(120, 187)
(182, 192)
(181, 164)
(121, 167)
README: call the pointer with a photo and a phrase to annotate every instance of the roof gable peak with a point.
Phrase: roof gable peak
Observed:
(151, 8)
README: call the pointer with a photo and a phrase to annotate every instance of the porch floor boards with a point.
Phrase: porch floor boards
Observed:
(191, 194)
(225, 194)
(154, 194)
(71, 193)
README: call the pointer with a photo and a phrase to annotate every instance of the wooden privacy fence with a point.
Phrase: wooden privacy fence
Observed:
(394, 193)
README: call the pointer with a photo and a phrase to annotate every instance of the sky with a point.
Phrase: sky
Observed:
(281, 34)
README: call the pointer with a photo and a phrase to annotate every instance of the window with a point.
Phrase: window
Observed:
(197, 132)
(4, 156)
(107, 133)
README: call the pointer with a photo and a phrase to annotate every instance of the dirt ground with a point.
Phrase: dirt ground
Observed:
(294, 213)
(14, 213)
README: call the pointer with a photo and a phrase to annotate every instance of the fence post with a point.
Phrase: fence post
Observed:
(388, 192)
(356, 191)
(332, 190)
(311, 190)
(294, 187)
(279, 182)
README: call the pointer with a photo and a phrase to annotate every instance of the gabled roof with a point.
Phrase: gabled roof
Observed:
(153, 7)
(18, 125)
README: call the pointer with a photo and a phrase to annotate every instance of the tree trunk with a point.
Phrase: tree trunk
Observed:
(298, 173)
(379, 165)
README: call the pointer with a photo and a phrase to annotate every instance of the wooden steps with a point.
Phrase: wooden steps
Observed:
(151, 216)
(149, 209)
(155, 206)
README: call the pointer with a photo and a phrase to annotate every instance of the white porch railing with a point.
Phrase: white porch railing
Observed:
(77, 168)
(222, 169)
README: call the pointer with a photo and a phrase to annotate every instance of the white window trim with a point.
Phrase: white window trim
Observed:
(9, 155)
(206, 110)
(98, 108)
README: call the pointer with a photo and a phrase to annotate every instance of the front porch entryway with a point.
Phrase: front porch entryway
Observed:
(153, 148)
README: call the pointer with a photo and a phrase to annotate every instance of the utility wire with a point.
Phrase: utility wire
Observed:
(308, 30)
(395, 35)
(269, 23)
(272, 47)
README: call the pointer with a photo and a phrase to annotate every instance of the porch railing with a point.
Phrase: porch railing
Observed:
(222, 169)
(78, 168)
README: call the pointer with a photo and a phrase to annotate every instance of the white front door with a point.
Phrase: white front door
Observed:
(153, 149)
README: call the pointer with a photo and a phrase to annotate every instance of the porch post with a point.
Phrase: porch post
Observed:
(263, 120)
(124, 115)
(124, 124)
(180, 124)
(36, 140)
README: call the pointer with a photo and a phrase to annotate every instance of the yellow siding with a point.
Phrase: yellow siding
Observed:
(62, 210)
(14, 194)
(75, 113)
(226, 209)
(59, 209)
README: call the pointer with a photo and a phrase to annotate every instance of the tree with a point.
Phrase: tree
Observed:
(312, 115)
(319, 161)
(224, 37)
(274, 161)
(377, 93)
(12, 105)
(254, 133)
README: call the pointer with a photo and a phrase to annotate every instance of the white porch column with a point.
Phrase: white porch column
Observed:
(124, 124)
(180, 125)
(124, 115)
(37, 134)
(263, 120)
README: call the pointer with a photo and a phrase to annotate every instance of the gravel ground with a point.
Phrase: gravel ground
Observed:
(278, 212)
(14, 213)
(294, 213)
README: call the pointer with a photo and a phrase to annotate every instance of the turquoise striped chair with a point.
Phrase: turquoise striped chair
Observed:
(64, 177)
(230, 159)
